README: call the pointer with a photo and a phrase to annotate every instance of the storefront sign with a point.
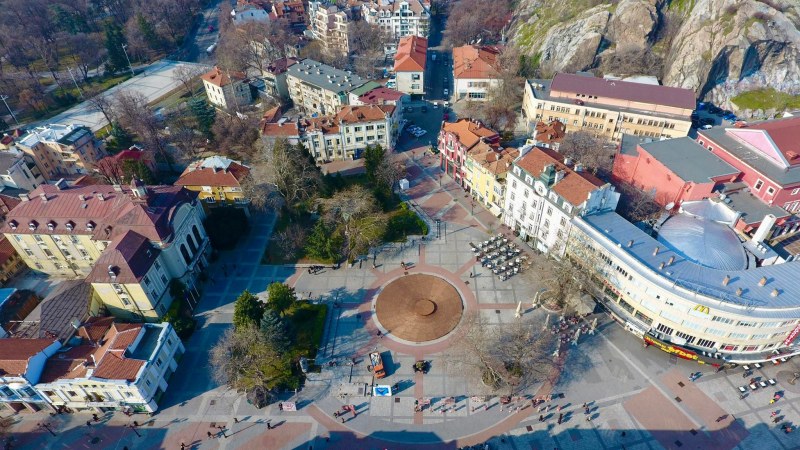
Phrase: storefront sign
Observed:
(102, 404)
(677, 351)
(789, 339)
(289, 406)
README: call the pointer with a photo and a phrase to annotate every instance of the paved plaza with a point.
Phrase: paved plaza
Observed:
(636, 397)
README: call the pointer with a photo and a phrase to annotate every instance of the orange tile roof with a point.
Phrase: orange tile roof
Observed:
(219, 77)
(365, 113)
(469, 132)
(411, 54)
(325, 124)
(280, 129)
(110, 360)
(495, 161)
(473, 62)
(207, 176)
(74, 363)
(95, 328)
(550, 133)
(15, 353)
(575, 187)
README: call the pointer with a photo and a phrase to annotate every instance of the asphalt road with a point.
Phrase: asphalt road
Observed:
(439, 66)
(200, 38)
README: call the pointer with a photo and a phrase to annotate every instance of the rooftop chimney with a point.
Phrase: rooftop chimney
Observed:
(117, 188)
(726, 280)
(100, 196)
(43, 196)
(762, 281)
(24, 197)
(630, 243)
(655, 251)
(739, 292)
(774, 293)
(671, 260)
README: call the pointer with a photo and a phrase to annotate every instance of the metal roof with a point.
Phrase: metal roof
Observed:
(325, 76)
(705, 242)
(751, 157)
(688, 159)
(693, 281)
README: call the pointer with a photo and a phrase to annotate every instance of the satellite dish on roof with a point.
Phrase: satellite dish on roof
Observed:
(669, 206)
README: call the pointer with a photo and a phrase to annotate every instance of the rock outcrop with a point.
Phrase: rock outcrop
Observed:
(719, 48)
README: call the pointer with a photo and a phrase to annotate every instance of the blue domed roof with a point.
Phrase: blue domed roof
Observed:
(708, 243)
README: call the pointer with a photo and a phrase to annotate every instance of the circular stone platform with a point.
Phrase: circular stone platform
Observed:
(419, 307)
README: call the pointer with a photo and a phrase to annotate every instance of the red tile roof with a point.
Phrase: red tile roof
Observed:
(7, 203)
(287, 129)
(411, 54)
(110, 212)
(550, 133)
(194, 175)
(280, 65)
(495, 161)
(111, 362)
(380, 96)
(575, 187)
(219, 77)
(129, 255)
(71, 364)
(623, 90)
(15, 353)
(95, 328)
(6, 140)
(365, 113)
(469, 132)
(472, 62)
(785, 133)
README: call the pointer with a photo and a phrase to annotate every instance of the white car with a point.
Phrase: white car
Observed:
(446, 92)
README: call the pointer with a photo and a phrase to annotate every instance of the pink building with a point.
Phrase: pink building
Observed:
(676, 170)
(456, 139)
(768, 155)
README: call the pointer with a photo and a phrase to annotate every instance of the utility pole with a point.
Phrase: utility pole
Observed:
(4, 97)
(124, 49)
(76, 83)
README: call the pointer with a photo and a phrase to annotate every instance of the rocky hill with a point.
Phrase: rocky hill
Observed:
(719, 48)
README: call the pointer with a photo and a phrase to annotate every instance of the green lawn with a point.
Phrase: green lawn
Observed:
(766, 99)
(308, 321)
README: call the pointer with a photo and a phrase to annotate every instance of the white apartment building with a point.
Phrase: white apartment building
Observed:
(319, 88)
(18, 172)
(61, 150)
(346, 135)
(226, 89)
(694, 290)
(117, 366)
(544, 192)
(475, 72)
(328, 23)
(409, 65)
(249, 13)
(398, 18)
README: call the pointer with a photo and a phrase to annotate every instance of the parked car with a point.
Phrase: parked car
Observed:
(706, 127)
(424, 109)
(409, 109)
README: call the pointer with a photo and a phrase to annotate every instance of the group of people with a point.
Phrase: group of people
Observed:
(313, 270)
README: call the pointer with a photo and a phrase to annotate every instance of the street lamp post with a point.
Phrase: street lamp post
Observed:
(69, 69)
(133, 427)
(4, 97)
(124, 49)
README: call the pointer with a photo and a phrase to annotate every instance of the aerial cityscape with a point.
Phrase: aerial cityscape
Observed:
(400, 224)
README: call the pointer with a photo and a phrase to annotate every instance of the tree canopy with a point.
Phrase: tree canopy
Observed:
(280, 297)
(247, 311)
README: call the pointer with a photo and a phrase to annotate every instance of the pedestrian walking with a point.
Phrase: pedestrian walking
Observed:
(280, 406)
(585, 405)
(183, 446)
(773, 413)
(541, 418)
(235, 420)
(342, 419)
(560, 417)
(88, 424)
(559, 407)
(209, 434)
(95, 418)
(771, 401)
(588, 418)
(269, 426)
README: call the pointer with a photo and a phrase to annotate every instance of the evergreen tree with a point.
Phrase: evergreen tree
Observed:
(373, 158)
(247, 310)
(120, 138)
(323, 243)
(148, 32)
(205, 115)
(114, 42)
(280, 297)
(275, 331)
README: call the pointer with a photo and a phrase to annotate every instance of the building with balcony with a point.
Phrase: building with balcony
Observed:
(274, 76)
(60, 151)
(545, 191)
(152, 233)
(398, 18)
(18, 171)
(319, 88)
(456, 139)
(226, 89)
(22, 362)
(485, 171)
(329, 24)
(475, 72)
(292, 11)
(115, 366)
(409, 65)
(691, 286)
(217, 180)
(609, 108)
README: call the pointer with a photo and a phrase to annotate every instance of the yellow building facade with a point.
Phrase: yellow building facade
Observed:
(485, 173)
(217, 180)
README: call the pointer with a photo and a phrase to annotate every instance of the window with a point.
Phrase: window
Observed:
(549, 210)
(72, 393)
(758, 185)
(730, 347)
(158, 362)
(770, 190)
(665, 329)
(743, 323)
(147, 280)
(158, 266)
(715, 332)
(722, 320)
(705, 343)
(689, 338)
(359, 139)
(795, 191)
(563, 221)
(738, 335)
(186, 257)
(38, 238)
(356, 129)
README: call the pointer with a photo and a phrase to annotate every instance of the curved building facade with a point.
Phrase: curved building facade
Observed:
(694, 289)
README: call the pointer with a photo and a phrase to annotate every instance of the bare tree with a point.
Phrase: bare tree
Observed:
(257, 193)
(367, 42)
(110, 169)
(102, 103)
(510, 357)
(633, 60)
(86, 51)
(186, 74)
(637, 205)
(470, 20)
(590, 150)
(290, 240)
(186, 140)
(136, 116)
(356, 210)
(288, 168)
